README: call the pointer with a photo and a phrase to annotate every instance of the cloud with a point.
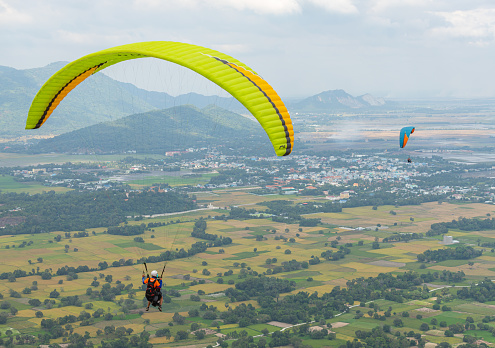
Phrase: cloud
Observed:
(263, 7)
(384, 5)
(9, 15)
(260, 6)
(477, 24)
(338, 6)
(231, 48)
(277, 7)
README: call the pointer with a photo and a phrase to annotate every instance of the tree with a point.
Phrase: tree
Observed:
(181, 335)
(179, 319)
(165, 332)
(200, 334)
(34, 302)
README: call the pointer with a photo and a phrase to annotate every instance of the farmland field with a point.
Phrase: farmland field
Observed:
(209, 274)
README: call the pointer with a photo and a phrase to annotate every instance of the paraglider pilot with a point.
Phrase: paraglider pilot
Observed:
(409, 160)
(153, 290)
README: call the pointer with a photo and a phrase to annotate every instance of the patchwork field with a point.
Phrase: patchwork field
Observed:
(208, 275)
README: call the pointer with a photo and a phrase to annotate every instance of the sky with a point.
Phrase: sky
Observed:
(402, 49)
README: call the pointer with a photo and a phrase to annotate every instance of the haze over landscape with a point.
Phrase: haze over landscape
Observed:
(369, 226)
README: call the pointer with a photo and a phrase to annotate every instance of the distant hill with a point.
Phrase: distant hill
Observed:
(336, 100)
(98, 99)
(175, 128)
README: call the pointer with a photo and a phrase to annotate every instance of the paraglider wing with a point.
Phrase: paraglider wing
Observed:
(235, 77)
(405, 133)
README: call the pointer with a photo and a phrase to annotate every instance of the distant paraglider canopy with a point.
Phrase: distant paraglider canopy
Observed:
(236, 78)
(405, 133)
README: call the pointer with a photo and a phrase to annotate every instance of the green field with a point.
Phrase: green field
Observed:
(363, 261)
(8, 184)
(201, 179)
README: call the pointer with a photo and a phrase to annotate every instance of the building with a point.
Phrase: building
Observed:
(448, 240)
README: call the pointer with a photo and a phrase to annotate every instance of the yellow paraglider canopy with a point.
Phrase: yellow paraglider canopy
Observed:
(235, 77)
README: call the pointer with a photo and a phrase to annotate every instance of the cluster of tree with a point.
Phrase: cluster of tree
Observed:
(260, 286)
(81, 234)
(446, 276)
(383, 197)
(71, 301)
(330, 255)
(79, 210)
(107, 292)
(286, 208)
(199, 231)
(463, 224)
(18, 273)
(461, 252)
(474, 224)
(482, 292)
(66, 270)
(288, 266)
(437, 229)
(241, 213)
(380, 337)
(300, 307)
(243, 314)
(127, 230)
(120, 341)
(402, 287)
(309, 222)
(402, 237)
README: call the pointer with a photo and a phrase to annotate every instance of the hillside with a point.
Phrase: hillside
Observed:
(170, 129)
(98, 99)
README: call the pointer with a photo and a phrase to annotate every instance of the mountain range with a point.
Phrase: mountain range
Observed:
(101, 98)
(97, 99)
(334, 100)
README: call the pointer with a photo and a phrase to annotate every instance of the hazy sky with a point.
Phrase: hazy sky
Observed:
(389, 48)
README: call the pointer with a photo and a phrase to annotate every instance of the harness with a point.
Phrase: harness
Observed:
(153, 292)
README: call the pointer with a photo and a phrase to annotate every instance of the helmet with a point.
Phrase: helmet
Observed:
(154, 273)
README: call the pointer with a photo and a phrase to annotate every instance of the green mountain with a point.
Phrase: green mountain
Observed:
(97, 99)
(175, 128)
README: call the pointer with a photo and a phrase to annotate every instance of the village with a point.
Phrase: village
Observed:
(336, 178)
